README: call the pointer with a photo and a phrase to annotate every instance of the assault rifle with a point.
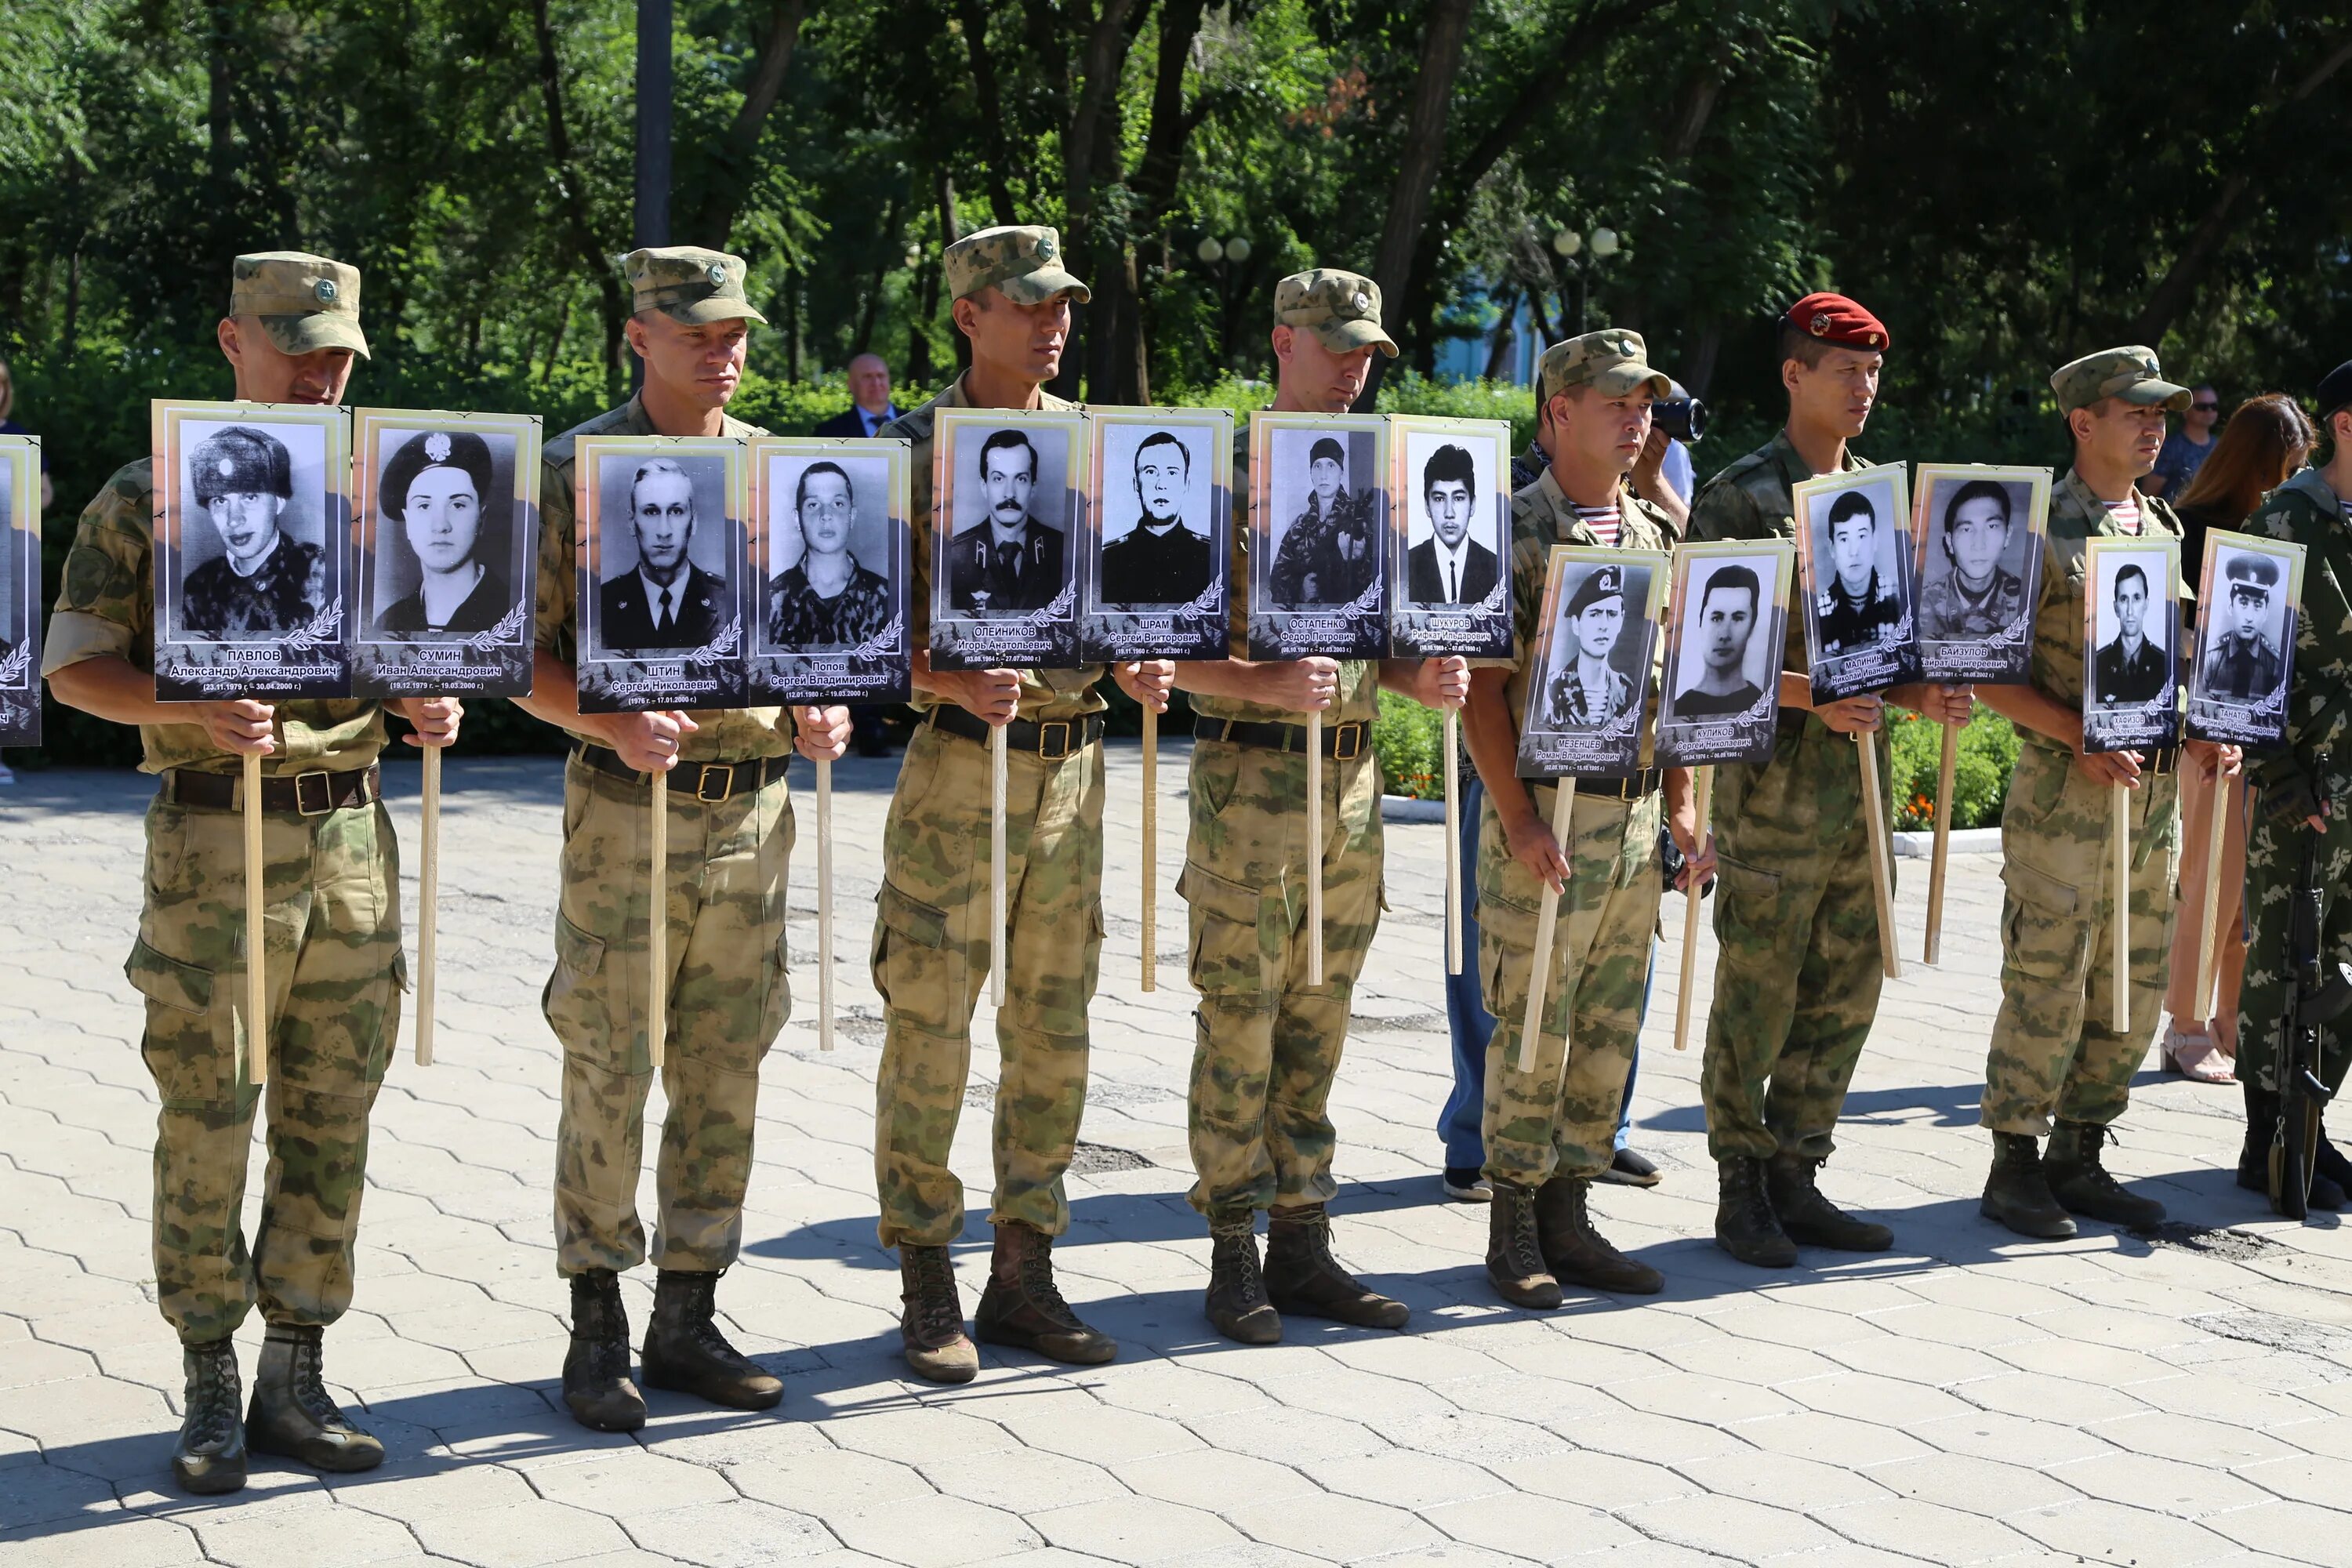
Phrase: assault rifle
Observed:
(2321, 998)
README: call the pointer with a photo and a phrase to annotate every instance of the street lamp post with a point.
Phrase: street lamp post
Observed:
(1224, 257)
(1570, 244)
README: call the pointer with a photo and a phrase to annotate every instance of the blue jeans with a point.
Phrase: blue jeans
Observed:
(1462, 1124)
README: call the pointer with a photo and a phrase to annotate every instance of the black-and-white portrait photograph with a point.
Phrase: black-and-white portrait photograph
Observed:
(447, 527)
(1853, 539)
(1589, 687)
(2130, 690)
(1318, 541)
(2250, 592)
(662, 570)
(253, 553)
(1728, 609)
(20, 588)
(829, 533)
(1003, 569)
(1979, 533)
(1155, 557)
(1451, 488)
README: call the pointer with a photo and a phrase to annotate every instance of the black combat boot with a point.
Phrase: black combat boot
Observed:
(1515, 1259)
(1236, 1305)
(291, 1414)
(930, 1326)
(1811, 1220)
(2079, 1182)
(1302, 1277)
(2331, 1176)
(2329, 1171)
(1745, 1225)
(685, 1351)
(2017, 1192)
(209, 1457)
(596, 1386)
(1023, 1306)
(1579, 1255)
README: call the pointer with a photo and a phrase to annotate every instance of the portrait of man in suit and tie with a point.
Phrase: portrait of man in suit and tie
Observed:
(1451, 567)
(664, 599)
(1010, 561)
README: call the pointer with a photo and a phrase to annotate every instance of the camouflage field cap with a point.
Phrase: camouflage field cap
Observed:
(306, 302)
(1021, 261)
(2130, 373)
(688, 284)
(1613, 359)
(1341, 309)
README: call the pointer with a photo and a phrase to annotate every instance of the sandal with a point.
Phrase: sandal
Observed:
(2197, 1058)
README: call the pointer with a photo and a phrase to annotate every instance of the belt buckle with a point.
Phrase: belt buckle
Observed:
(1346, 742)
(326, 795)
(1064, 747)
(726, 772)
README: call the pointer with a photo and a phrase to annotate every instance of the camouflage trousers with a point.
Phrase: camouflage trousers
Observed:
(1266, 1043)
(1559, 1117)
(1798, 966)
(2053, 1050)
(728, 996)
(2273, 867)
(931, 957)
(334, 972)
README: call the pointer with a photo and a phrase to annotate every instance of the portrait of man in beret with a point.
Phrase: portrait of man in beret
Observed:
(1587, 690)
(436, 500)
(264, 580)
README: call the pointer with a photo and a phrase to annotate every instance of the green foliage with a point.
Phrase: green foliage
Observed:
(1407, 738)
(1988, 751)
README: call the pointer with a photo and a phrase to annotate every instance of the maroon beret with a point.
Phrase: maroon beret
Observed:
(1837, 321)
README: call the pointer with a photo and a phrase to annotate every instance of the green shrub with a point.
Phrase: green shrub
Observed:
(1988, 751)
(1407, 738)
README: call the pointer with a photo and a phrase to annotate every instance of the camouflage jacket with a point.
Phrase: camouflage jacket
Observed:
(2076, 517)
(281, 596)
(1947, 614)
(2304, 511)
(1754, 498)
(1328, 558)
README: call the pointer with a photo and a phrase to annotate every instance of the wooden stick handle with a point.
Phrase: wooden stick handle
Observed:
(657, 925)
(1150, 848)
(1563, 812)
(257, 944)
(1445, 760)
(1881, 871)
(2209, 918)
(2121, 921)
(996, 941)
(1705, 786)
(428, 904)
(1315, 847)
(825, 904)
(1946, 771)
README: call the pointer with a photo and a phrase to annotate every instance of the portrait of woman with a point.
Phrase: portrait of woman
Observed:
(433, 488)
(826, 598)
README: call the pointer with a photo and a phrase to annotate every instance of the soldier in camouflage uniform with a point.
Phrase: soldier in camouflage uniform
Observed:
(1330, 551)
(2313, 509)
(332, 886)
(1797, 967)
(1011, 296)
(2055, 1053)
(1551, 1130)
(730, 839)
(1267, 1042)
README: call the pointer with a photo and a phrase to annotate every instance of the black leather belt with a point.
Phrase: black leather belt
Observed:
(1054, 740)
(1637, 788)
(306, 795)
(1341, 742)
(713, 784)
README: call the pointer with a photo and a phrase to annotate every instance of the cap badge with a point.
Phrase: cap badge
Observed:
(1363, 301)
(325, 290)
(1820, 324)
(1045, 248)
(436, 446)
(1871, 338)
(716, 273)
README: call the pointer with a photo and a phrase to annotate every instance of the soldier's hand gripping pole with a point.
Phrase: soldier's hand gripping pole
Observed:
(1704, 786)
(1563, 812)
(825, 904)
(1150, 847)
(1315, 847)
(2209, 918)
(1946, 771)
(257, 905)
(657, 924)
(996, 953)
(428, 901)
(1446, 760)
(1882, 868)
(2119, 801)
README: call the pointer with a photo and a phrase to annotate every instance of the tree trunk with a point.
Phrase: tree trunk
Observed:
(1091, 143)
(1498, 344)
(1417, 166)
(736, 161)
(973, 16)
(881, 270)
(577, 222)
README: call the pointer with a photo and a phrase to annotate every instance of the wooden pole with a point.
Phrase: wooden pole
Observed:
(1150, 847)
(2120, 799)
(996, 954)
(1703, 783)
(257, 945)
(1315, 847)
(1881, 871)
(1563, 811)
(428, 901)
(825, 904)
(657, 925)
(1944, 773)
(1453, 850)
(2210, 919)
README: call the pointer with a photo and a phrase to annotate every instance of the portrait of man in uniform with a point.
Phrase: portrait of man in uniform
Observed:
(14, 602)
(1330, 551)
(1586, 689)
(1972, 588)
(1452, 565)
(827, 598)
(1861, 606)
(1010, 560)
(663, 598)
(445, 521)
(2133, 667)
(1730, 602)
(1164, 558)
(263, 581)
(2243, 662)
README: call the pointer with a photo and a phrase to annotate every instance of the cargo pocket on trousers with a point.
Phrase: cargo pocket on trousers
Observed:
(190, 1052)
(911, 958)
(1228, 958)
(1747, 906)
(2048, 938)
(574, 1000)
(1507, 936)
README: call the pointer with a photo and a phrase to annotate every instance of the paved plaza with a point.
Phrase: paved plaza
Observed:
(2177, 1398)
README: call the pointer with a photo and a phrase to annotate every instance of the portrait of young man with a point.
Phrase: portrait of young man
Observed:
(1329, 553)
(827, 598)
(1451, 567)
(666, 599)
(2132, 667)
(1164, 559)
(1587, 690)
(1730, 602)
(1010, 561)
(264, 579)
(2241, 662)
(1972, 593)
(1860, 607)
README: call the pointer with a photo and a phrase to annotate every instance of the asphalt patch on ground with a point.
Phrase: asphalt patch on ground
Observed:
(2209, 1241)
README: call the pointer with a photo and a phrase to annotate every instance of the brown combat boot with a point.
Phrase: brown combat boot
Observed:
(292, 1415)
(2017, 1193)
(1580, 1255)
(1023, 1306)
(1745, 1225)
(1236, 1304)
(931, 1326)
(1302, 1277)
(2082, 1184)
(1515, 1259)
(685, 1351)
(1811, 1220)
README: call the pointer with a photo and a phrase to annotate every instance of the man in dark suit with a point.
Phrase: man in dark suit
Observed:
(2131, 668)
(667, 602)
(1011, 562)
(870, 409)
(1449, 567)
(1160, 561)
